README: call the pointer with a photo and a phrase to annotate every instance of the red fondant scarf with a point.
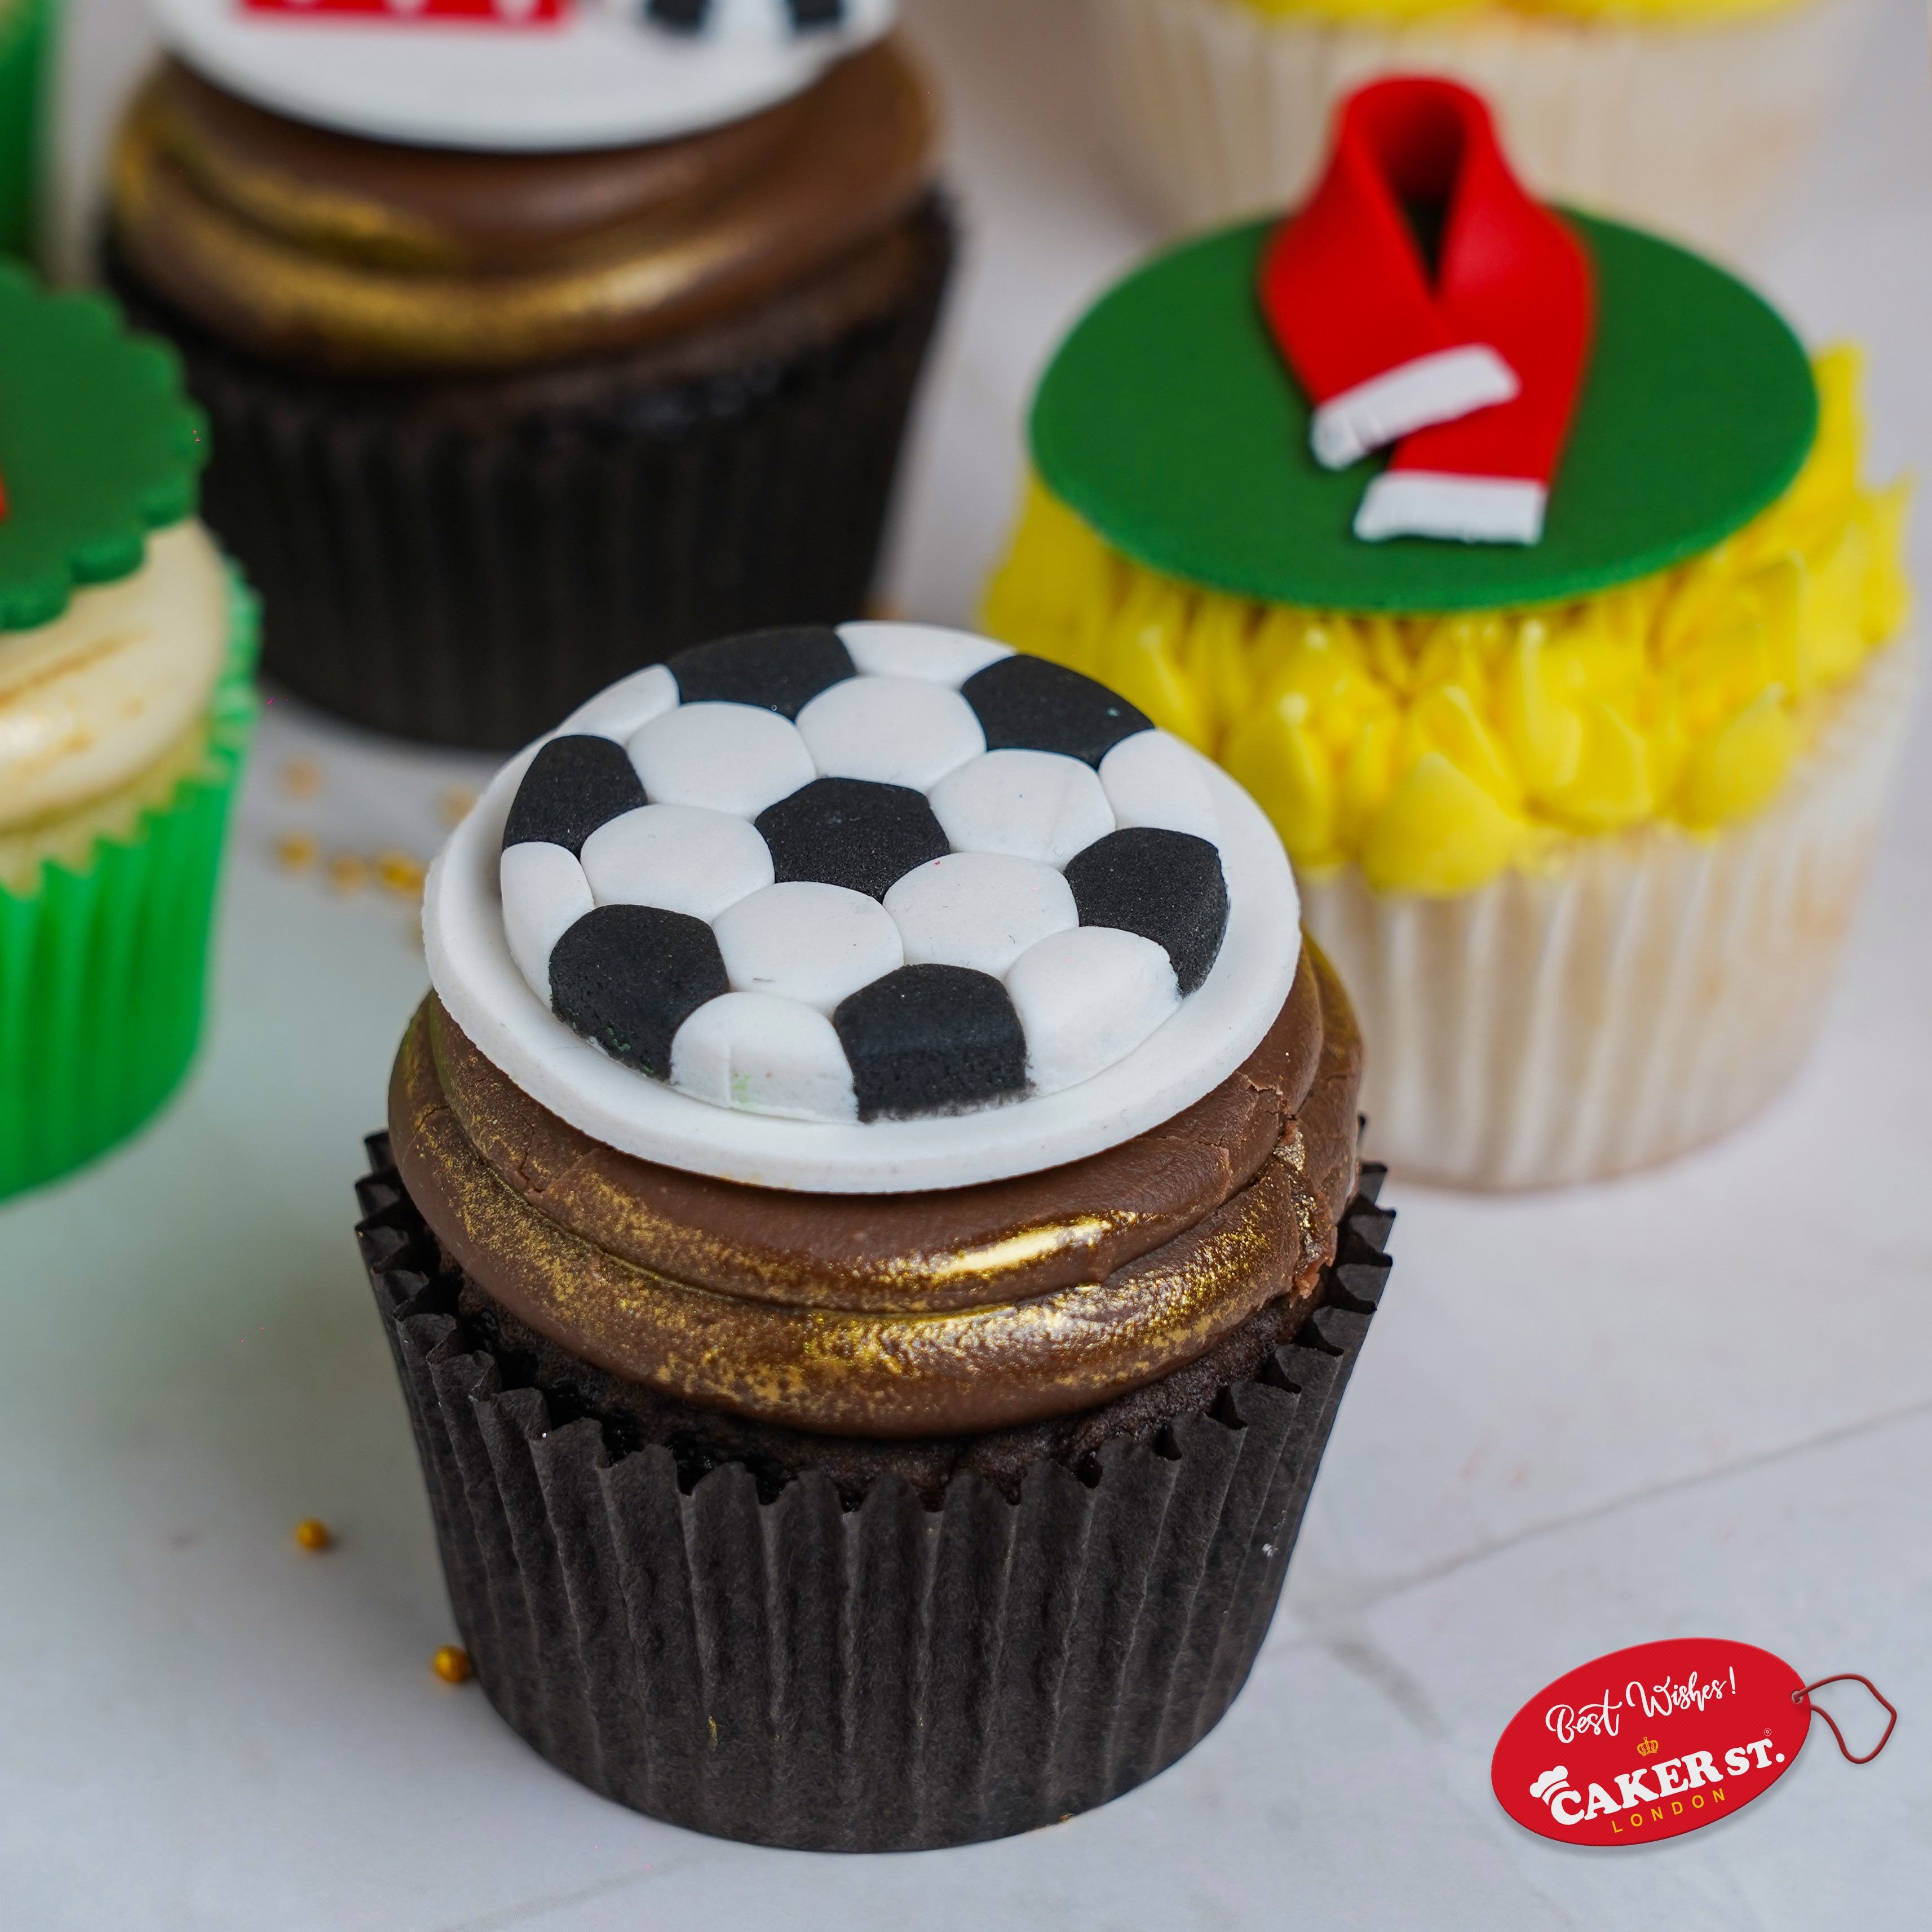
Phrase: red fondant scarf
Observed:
(1472, 371)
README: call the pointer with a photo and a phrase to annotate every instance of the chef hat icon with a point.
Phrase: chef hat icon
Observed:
(1546, 1787)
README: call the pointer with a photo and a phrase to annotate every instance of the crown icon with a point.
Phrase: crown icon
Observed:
(1647, 1748)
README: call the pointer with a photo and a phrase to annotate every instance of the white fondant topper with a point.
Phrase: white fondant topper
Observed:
(805, 1033)
(600, 73)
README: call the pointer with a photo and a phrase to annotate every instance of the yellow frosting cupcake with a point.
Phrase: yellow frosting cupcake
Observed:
(1582, 828)
(1690, 116)
(1435, 753)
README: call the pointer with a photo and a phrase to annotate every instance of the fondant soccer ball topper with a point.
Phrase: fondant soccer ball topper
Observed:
(1424, 300)
(816, 906)
(517, 75)
(928, 878)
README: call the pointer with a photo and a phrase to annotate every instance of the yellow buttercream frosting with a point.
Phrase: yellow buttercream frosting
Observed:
(1437, 752)
(1394, 13)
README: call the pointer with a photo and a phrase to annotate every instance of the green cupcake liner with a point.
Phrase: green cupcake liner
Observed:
(24, 35)
(102, 972)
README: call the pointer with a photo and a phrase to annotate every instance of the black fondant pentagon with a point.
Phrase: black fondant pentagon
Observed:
(780, 670)
(1027, 704)
(851, 833)
(1167, 886)
(682, 17)
(806, 14)
(574, 785)
(930, 1039)
(629, 977)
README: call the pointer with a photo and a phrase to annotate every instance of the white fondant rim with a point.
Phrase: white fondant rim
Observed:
(1185, 1059)
(600, 79)
(1438, 388)
(1468, 509)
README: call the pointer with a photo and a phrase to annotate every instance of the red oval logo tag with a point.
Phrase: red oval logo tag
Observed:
(1650, 1742)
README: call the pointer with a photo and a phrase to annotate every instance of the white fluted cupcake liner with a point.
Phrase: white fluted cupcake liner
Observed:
(1652, 994)
(1222, 110)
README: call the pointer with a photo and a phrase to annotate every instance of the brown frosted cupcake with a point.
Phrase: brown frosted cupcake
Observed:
(500, 413)
(870, 1333)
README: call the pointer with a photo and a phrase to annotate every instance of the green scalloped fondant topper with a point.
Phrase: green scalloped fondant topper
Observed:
(1170, 422)
(98, 446)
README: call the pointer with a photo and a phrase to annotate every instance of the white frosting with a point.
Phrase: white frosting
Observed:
(765, 1055)
(1087, 998)
(604, 76)
(1034, 805)
(545, 895)
(893, 730)
(744, 1063)
(681, 857)
(920, 650)
(89, 701)
(807, 942)
(980, 909)
(1153, 779)
(727, 757)
(623, 709)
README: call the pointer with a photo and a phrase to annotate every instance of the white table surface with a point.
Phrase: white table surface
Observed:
(1695, 1402)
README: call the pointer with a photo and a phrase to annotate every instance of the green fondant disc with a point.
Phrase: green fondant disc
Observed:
(1171, 423)
(98, 445)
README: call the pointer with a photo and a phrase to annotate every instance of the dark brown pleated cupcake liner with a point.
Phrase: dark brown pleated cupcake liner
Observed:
(469, 571)
(887, 1678)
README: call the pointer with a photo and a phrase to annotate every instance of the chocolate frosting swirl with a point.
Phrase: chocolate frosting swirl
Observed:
(967, 1310)
(372, 257)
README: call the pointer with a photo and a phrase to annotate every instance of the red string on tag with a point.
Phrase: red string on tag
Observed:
(1804, 1697)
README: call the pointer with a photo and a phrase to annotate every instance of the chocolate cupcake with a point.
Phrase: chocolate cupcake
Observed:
(871, 1232)
(535, 350)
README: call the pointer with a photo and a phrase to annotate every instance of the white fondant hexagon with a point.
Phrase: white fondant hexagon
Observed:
(545, 895)
(928, 651)
(1087, 998)
(979, 909)
(765, 1055)
(627, 707)
(813, 943)
(1034, 805)
(679, 857)
(738, 758)
(1153, 779)
(893, 730)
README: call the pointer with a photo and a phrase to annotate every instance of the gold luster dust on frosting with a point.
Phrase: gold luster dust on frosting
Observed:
(988, 1262)
(366, 255)
(113, 687)
(832, 1324)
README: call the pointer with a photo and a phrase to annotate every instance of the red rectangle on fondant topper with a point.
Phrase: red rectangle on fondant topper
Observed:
(409, 13)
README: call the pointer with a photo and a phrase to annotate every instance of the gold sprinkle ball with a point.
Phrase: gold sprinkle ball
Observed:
(301, 777)
(455, 804)
(451, 1664)
(296, 851)
(311, 1533)
(401, 874)
(347, 873)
